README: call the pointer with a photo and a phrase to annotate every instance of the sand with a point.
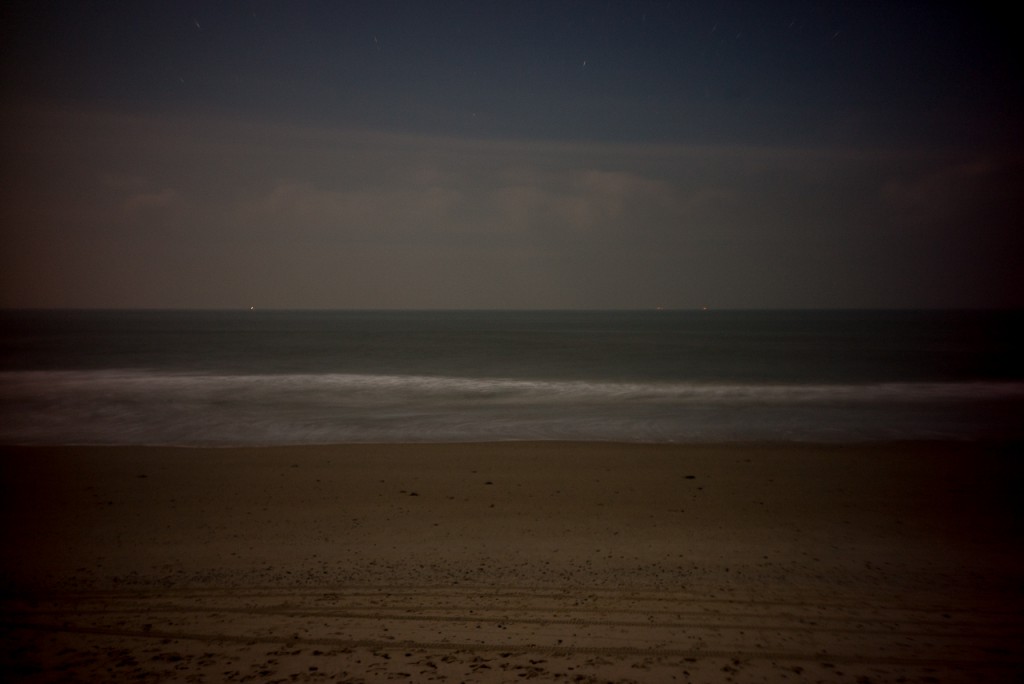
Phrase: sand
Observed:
(513, 561)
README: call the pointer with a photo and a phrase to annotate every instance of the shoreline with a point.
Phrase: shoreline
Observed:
(572, 553)
(984, 443)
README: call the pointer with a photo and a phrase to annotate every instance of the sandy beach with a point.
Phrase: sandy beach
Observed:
(509, 561)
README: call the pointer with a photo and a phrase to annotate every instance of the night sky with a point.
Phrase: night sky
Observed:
(510, 155)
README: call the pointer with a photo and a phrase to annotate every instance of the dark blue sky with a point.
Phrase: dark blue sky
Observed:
(604, 154)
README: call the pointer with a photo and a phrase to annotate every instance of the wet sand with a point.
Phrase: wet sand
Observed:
(511, 561)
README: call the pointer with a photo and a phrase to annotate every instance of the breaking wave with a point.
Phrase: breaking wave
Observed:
(139, 406)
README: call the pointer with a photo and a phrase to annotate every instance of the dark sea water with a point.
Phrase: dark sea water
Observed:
(304, 377)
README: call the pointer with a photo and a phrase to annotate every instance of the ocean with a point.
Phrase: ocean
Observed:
(243, 378)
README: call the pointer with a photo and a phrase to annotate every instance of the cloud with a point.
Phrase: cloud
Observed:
(599, 196)
(939, 193)
(379, 214)
(142, 203)
(306, 216)
(579, 204)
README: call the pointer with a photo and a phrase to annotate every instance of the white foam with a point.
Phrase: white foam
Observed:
(143, 406)
(133, 381)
